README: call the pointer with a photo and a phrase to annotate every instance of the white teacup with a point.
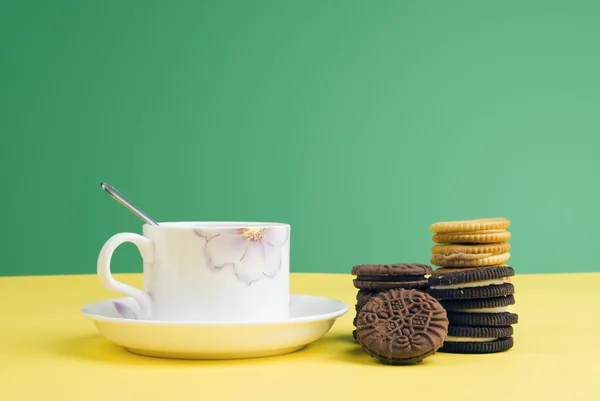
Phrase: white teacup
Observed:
(208, 271)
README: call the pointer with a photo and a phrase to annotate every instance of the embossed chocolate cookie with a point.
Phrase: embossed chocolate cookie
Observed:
(359, 305)
(394, 269)
(400, 326)
(390, 285)
(382, 277)
(364, 295)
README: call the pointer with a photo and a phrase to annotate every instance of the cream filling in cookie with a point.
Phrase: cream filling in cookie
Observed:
(469, 257)
(492, 231)
(482, 283)
(469, 339)
(463, 256)
(498, 309)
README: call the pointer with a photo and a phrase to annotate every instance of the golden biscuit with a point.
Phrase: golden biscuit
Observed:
(469, 226)
(481, 237)
(492, 260)
(470, 255)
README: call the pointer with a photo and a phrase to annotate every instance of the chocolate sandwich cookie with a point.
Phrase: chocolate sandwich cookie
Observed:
(364, 295)
(362, 302)
(394, 269)
(486, 347)
(470, 255)
(482, 319)
(389, 285)
(477, 333)
(400, 327)
(477, 339)
(471, 283)
(456, 277)
(482, 305)
(489, 291)
(471, 231)
(383, 277)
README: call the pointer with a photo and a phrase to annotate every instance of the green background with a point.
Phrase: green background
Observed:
(360, 123)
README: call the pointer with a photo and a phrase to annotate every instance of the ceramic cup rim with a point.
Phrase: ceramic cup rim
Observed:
(213, 225)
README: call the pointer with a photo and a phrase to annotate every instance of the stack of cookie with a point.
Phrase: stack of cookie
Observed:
(473, 284)
(372, 279)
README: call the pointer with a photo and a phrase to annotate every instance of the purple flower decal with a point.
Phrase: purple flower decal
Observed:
(125, 311)
(253, 252)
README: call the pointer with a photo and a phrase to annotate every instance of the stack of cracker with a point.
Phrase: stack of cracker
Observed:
(472, 282)
(373, 279)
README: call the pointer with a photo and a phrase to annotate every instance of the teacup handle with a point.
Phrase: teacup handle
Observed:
(146, 248)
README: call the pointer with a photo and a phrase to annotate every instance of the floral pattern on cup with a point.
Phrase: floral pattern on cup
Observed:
(124, 311)
(253, 253)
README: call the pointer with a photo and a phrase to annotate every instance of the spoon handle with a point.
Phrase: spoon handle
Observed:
(119, 197)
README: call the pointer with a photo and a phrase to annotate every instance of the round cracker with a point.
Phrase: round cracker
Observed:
(494, 248)
(444, 261)
(473, 238)
(470, 225)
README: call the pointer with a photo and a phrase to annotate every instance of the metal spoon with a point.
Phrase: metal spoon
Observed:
(119, 197)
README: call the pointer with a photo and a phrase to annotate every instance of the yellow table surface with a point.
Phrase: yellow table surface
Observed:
(49, 351)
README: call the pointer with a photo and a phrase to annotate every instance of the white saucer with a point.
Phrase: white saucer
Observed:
(310, 319)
